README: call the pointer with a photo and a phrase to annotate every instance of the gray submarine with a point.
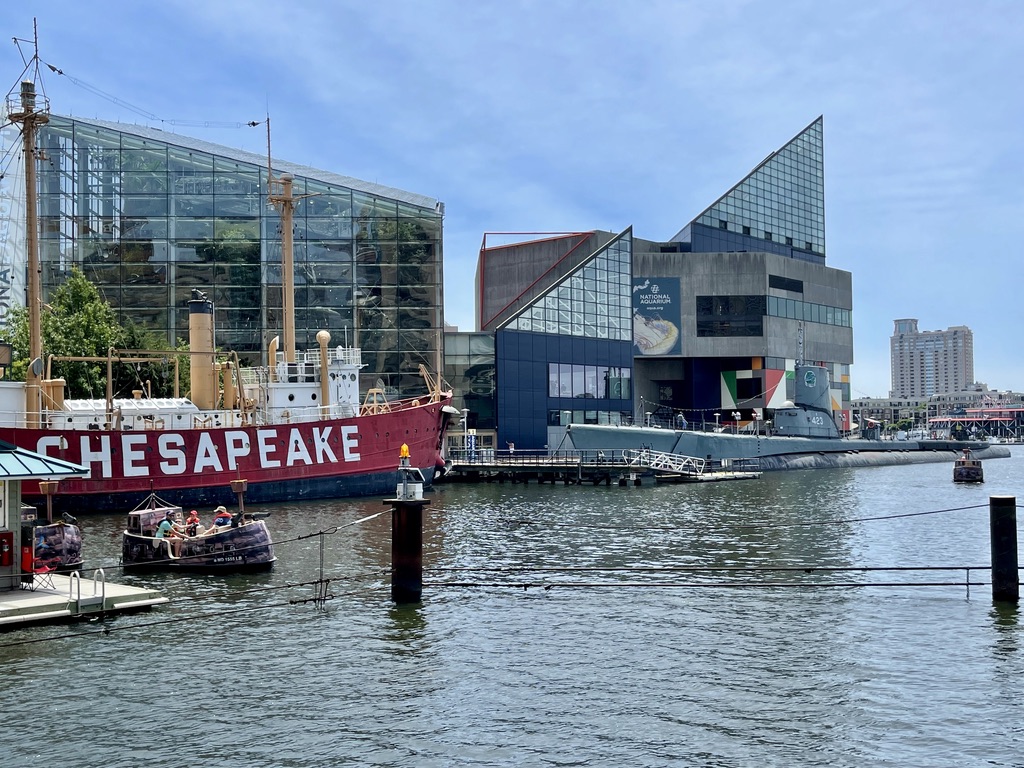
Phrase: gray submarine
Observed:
(803, 435)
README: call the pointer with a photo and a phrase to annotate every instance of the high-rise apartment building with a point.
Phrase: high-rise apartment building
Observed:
(926, 363)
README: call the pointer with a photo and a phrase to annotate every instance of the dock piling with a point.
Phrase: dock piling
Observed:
(1002, 513)
(407, 533)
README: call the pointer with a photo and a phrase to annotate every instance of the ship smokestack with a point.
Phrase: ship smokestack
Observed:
(323, 338)
(203, 374)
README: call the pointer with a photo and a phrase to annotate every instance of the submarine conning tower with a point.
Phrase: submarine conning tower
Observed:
(811, 415)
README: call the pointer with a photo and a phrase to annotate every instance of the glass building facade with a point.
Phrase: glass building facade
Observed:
(567, 357)
(470, 370)
(720, 309)
(149, 215)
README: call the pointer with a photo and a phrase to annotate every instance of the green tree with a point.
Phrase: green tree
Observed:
(77, 322)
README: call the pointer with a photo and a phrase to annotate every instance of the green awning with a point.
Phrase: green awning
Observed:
(18, 464)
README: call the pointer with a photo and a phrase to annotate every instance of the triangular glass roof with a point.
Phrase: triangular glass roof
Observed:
(593, 301)
(782, 199)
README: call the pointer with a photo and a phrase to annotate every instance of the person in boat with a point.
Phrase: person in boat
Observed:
(193, 523)
(168, 529)
(221, 518)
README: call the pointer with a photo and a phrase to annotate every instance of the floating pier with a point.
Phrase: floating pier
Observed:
(57, 597)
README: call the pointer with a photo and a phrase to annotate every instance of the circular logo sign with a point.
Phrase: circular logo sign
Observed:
(809, 378)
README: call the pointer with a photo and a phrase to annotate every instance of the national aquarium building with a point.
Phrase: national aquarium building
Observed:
(704, 328)
(149, 215)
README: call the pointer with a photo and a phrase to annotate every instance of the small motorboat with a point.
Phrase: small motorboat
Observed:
(242, 544)
(968, 469)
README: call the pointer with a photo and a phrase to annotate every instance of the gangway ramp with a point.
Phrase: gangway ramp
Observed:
(678, 468)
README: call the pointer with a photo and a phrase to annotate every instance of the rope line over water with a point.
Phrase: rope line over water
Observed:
(751, 526)
(322, 593)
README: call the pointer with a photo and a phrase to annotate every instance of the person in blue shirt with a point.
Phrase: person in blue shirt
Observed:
(170, 530)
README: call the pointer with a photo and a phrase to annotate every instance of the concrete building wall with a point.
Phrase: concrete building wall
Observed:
(704, 274)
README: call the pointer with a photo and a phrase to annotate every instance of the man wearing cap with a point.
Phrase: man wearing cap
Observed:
(168, 529)
(220, 517)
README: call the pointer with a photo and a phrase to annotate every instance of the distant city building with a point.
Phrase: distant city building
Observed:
(925, 363)
(976, 412)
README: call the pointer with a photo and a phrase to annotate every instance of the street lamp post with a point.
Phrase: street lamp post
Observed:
(717, 415)
(465, 429)
(736, 422)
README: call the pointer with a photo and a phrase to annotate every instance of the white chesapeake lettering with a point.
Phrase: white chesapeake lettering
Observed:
(349, 444)
(296, 450)
(237, 444)
(101, 456)
(133, 455)
(263, 437)
(45, 443)
(324, 452)
(171, 451)
(206, 454)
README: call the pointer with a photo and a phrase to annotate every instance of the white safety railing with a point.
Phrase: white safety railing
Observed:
(676, 463)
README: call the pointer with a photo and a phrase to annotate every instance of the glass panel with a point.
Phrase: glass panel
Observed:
(192, 205)
(145, 296)
(144, 205)
(193, 229)
(237, 205)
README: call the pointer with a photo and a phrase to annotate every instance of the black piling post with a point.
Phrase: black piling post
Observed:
(1002, 516)
(407, 533)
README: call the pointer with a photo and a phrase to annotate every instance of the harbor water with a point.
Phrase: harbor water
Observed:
(558, 627)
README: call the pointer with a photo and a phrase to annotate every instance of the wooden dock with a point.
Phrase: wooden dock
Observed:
(61, 598)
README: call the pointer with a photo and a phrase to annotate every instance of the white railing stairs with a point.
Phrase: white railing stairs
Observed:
(676, 463)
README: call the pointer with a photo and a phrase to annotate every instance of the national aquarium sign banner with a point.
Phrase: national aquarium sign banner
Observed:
(656, 316)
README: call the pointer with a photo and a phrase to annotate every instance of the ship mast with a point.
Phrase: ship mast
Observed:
(279, 193)
(30, 119)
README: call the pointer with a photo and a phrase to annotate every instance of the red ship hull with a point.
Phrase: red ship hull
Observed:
(194, 467)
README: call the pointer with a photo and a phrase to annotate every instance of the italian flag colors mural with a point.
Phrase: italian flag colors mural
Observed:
(772, 390)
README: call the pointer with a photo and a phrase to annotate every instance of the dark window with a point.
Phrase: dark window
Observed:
(746, 230)
(748, 389)
(808, 246)
(723, 224)
(789, 241)
(731, 315)
(785, 283)
(767, 235)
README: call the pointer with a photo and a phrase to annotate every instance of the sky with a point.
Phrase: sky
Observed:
(575, 115)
